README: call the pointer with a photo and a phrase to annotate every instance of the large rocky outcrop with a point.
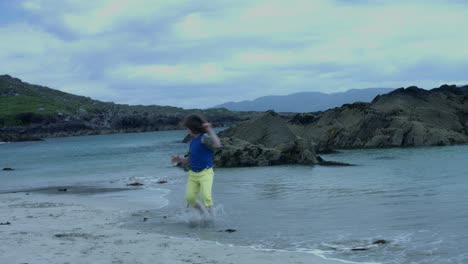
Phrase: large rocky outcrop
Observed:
(261, 142)
(402, 118)
(240, 153)
(269, 130)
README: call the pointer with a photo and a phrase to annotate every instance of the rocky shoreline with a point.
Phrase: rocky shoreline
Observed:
(31, 112)
(408, 117)
(263, 142)
(405, 117)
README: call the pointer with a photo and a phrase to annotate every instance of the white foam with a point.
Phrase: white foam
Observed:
(321, 253)
(195, 216)
(316, 252)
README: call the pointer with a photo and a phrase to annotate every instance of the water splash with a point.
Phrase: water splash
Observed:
(202, 217)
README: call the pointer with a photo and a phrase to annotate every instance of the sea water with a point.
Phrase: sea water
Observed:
(416, 199)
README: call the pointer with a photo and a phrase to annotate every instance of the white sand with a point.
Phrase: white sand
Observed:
(68, 229)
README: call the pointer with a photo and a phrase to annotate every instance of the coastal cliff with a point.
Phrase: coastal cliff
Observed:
(405, 117)
(402, 118)
(408, 117)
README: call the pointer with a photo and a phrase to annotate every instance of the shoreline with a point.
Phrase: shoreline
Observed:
(48, 228)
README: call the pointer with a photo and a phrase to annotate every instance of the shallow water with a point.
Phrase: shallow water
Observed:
(415, 199)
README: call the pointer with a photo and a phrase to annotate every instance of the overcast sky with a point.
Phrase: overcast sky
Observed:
(196, 54)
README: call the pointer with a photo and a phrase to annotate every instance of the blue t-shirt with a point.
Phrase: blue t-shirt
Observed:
(201, 157)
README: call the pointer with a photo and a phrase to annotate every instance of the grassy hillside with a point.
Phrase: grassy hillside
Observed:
(41, 110)
(19, 100)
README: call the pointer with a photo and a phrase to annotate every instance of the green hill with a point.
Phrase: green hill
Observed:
(33, 110)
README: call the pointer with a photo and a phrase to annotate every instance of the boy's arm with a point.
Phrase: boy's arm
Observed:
(177, 159)
(212, 139)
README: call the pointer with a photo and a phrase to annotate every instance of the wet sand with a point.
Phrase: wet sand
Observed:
(39, 226)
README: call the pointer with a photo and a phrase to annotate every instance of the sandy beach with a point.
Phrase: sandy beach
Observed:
(37, 227)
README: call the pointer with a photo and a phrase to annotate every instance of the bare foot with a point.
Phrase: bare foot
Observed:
(198, 207)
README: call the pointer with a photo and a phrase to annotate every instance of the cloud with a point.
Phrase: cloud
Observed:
(88, 18)
(32, 5)
(189, 53)
(174, 74)
(25, 40)
(386, 37)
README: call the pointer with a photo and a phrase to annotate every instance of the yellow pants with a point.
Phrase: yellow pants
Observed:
(199, 182)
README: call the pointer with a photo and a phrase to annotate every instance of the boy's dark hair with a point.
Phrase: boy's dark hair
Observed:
(194, 122)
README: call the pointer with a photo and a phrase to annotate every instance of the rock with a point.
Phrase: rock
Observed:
(17, 137)
(6, 223)
(379, 242)
(135, 184)
(323, 162)
(239, 153)
(8, 169)
(359, 249)
(62, 190)
(376, 242)
(303, 119)
(162, 181)
(335, 163)
(145, 219)
(402, 118)
(229, 230)
(262, 142)
(268, 130)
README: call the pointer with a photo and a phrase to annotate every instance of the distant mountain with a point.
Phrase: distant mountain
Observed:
(306, 101)
(29, 111)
